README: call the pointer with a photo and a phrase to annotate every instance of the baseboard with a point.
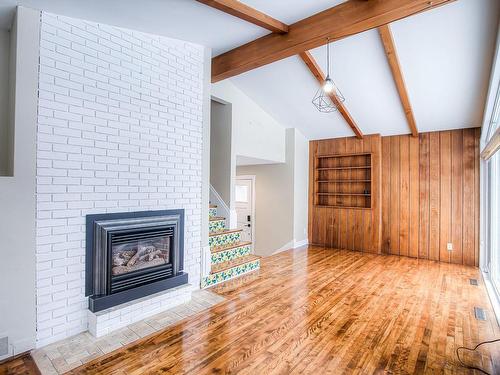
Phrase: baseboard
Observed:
(18, 349)
(301, 243)
(291, 245)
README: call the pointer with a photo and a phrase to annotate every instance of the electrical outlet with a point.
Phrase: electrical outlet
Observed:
(449, 246)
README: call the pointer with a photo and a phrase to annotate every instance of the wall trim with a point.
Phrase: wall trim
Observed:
(222, 207)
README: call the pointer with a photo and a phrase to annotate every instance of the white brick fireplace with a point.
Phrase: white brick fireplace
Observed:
(119, 129)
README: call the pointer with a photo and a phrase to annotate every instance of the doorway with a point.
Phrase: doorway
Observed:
(245, 207)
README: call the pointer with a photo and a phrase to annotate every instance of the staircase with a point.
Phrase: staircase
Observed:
(230, 256)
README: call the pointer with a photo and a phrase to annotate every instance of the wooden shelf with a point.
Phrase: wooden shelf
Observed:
(349, 207)
(343, 155)
(347, 194)
(352, 174)
(339, 168)
(338, 181)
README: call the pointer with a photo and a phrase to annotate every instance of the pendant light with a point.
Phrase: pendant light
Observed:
(328, 95)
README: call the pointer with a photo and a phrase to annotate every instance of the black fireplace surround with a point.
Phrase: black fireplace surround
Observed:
(132, 255)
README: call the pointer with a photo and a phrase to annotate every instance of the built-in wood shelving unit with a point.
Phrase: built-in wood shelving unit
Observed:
(343, 181)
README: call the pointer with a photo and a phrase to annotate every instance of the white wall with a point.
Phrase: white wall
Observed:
(4, 103)
(222, 164)
(120, 128)
(281, 197)
(301, 188)
(256, 133)
(17, 193)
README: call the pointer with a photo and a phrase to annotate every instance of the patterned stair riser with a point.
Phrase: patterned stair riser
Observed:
(216, 225)
(212, 212)
(230, 254)
(225, 239)
(230, 273)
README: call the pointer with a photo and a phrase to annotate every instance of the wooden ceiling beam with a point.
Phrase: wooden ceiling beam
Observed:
(249, 14)
(397, 74)
(320, 77)
(349, 18)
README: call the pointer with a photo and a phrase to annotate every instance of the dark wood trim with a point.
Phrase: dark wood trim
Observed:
(397, 74)
(349, 18)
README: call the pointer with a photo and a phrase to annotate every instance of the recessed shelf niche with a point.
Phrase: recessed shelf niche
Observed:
(343, 181)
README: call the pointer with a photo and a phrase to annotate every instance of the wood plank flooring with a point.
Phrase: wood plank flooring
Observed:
(326, 311)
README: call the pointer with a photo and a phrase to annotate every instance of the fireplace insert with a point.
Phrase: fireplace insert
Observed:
(131, 255)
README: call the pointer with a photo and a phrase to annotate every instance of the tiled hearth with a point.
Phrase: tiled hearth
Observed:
(67, 354)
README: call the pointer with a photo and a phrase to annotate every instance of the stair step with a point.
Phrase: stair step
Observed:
(231, 252)
(212, 212)
(217, 218)
(226, 231)
(229, 247)
(216, 224)
(224, 238)
(216, 268)
(231, 269)
(212, 206)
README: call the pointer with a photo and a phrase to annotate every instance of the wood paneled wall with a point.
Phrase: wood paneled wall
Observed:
(429, 197)
(347, 228)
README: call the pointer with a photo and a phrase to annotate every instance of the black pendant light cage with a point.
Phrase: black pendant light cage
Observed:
(328, 96)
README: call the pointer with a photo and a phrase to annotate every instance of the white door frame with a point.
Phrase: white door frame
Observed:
(252, 178)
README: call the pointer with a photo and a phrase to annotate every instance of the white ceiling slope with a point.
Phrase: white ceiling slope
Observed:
(445, 54)
(182, 19)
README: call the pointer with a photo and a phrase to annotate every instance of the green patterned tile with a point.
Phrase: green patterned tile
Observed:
(216, 225)
(212, 212)
(224, 239)
(230, 273)
(230, 254)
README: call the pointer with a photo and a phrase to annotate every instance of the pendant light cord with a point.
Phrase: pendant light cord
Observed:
(328, 57)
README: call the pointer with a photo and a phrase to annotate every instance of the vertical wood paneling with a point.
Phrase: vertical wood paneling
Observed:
(366, 245)
(424, 177)
(425, 193)
(376, 212)
(445, 195)
(354, 229)
(394, 201)
(404, 193)
(386, 194)
(434, 195)
(456, 195)
(414, 198)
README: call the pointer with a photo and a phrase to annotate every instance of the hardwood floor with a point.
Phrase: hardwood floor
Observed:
(21, 364)
(325, 311)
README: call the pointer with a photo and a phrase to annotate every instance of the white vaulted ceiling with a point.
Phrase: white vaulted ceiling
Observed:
(445, 55)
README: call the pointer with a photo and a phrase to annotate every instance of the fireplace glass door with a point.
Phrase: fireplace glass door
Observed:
(139, 255)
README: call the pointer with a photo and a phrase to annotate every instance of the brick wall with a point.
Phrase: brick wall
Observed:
(119, 129)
